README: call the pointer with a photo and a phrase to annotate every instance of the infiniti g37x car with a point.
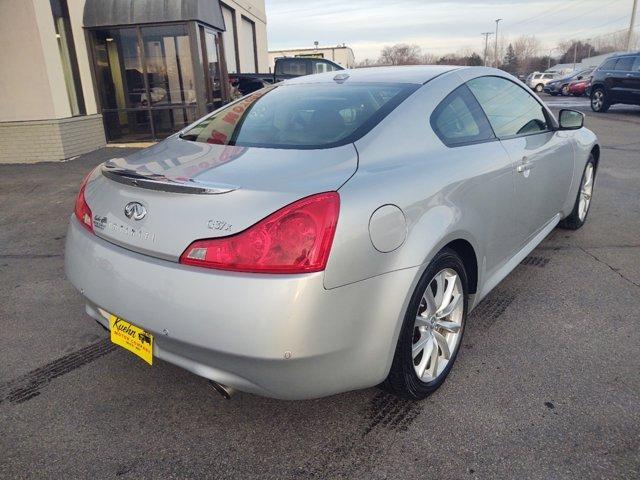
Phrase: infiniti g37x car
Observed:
(329, 233)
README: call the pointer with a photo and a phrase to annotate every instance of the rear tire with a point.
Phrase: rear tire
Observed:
(565, 91)
(599, 100)
(578, 215)
(430, 320)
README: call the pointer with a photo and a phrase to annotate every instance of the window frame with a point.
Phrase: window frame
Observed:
(255, 43)
(552, 124)
(235, 35)
(467, 95)
(60, 10)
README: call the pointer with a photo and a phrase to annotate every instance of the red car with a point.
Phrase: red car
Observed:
(579, 87)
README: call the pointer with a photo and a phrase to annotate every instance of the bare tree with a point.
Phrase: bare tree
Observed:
(401, 54)
(526, 50)
(491, 52)
(367, 62)
(428, 59)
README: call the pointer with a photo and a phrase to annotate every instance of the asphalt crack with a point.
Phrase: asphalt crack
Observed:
(610, 267)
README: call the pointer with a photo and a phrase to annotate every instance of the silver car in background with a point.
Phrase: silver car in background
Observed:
(330, 233)
(538, 80)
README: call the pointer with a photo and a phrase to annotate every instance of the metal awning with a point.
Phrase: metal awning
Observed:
(104, 13)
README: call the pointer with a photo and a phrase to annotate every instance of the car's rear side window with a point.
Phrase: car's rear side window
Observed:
(636, 65)
(459, 119)
(511, 110)
(305, 116)
(624, 64)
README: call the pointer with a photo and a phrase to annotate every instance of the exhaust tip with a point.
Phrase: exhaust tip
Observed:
(226, 391)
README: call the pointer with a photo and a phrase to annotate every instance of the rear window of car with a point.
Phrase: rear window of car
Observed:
(304, 116)
(291, 67)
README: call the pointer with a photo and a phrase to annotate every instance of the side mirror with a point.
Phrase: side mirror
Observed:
(571, 119)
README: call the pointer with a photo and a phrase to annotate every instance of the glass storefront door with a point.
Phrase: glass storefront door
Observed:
(147, 80)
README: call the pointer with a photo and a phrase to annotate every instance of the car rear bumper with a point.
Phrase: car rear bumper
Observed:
(283, 336)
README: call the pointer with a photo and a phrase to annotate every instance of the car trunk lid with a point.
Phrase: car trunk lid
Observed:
(159, 200)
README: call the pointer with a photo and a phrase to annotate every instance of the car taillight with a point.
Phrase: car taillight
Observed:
(295, 239)
(82, 210)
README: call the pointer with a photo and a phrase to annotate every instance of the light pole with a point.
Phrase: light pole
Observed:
(486, 45)
(633, 21)
(495, 50)
(550, 51)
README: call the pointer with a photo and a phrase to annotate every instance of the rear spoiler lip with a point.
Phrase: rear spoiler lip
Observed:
(163, 184)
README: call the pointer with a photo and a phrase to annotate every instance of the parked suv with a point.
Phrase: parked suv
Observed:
(536, 81)
(617, 80)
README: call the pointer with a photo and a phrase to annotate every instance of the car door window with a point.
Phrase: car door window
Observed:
(608, 65)
(511, 110)
(624, 64)
(636, 65)
(459, 119)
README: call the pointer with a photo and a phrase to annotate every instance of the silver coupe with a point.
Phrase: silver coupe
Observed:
(331, 232)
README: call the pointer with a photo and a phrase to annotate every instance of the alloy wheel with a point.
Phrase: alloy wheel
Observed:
(438, 325)
(597, 101)
(586, 190)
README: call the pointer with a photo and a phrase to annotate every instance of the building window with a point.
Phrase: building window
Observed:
(213, 71)
(248, 57)
(168, 65)
(68, 58)
(146, 80)
(230, 39)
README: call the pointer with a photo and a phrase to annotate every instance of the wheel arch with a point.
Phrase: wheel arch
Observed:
(595, 151)
(470, 260)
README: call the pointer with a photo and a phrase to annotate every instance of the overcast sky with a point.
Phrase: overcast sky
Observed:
(438, 26)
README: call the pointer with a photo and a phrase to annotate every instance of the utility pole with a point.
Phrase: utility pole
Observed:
(575, 54)
(631, 24)
(495, 50)
(486, 45)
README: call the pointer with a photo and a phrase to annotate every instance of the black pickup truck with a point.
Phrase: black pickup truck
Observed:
(285, 67)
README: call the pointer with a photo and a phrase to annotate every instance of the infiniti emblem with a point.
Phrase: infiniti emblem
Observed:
(135, 210)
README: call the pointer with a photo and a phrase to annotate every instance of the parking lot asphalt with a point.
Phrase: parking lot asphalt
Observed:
(547, 385)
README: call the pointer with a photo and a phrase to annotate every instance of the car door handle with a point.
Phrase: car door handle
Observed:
(525, 165)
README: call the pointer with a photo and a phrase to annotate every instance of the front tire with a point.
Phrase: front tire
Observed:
(565, 91)
(599, 100)
(583, 201)
(432, 330)
(539, 87)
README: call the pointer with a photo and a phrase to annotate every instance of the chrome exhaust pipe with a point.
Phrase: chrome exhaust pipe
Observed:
(226, 391)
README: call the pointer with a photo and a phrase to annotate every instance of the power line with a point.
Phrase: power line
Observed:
(544, 14)
(587, 12)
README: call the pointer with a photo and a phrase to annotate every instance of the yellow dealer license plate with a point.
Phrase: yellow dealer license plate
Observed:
(132, 338)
